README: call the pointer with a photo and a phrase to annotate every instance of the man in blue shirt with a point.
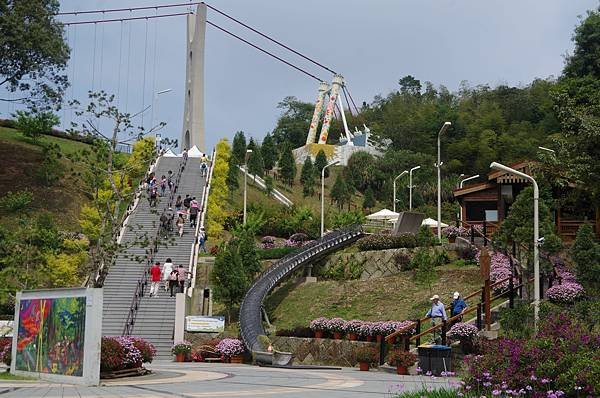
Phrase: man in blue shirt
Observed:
(458, 305)
(437, 313)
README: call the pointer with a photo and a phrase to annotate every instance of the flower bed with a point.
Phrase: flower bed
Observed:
(360, 328)
(453, 232)
(124, 352)
(567, 292)
(462, 331)
(230, 347)
(383, 242)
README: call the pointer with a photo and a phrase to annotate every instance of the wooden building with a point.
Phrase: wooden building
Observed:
(490, 201)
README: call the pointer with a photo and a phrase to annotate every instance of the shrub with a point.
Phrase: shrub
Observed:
(133, 357)
(336, 325)
(34, 124)
(267, 242)
(463, 331)
(319, 324)
(402, 261)
(517, 322)
(440, 258)
(398, 357)
(6, 354)
(586, 255)
(146, 349)
(384, 242)
(453, 231)
(567, 292)
(181, 347)
(369, 355)
(467, 253)
(112, 353)
(230, 347)
(425, 237)
(277, 252)
(353, 326)
(366, 329)
(344, 269)
(16, 201)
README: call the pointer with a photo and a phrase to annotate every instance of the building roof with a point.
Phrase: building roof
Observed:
(482, 186)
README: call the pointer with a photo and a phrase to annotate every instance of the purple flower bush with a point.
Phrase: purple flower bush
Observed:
(567, 292)
(230, 347)
(453, 231)
(336, 325)
(361, 328)
(133, 356)
(499, 269)
(318, 324)
(124, 352)
(353, 326)
(366, 329)
(463, 331)
(268, 242)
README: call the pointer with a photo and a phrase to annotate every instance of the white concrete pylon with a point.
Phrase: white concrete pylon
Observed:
(338, 81)
(192, 132)
(314, 124)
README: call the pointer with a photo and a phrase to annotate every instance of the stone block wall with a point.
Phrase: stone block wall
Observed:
(326, 352)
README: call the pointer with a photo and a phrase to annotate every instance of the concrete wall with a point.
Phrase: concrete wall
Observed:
(92, 336)
(320, 351)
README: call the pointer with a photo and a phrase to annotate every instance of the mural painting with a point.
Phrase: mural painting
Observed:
(51, 335)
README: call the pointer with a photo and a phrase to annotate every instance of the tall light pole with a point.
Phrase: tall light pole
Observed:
(323, 194)
(547, 149)
(248, 152)
(410, 186)
(439, 181)
(460, 185)
(536, 236)
(398, 176)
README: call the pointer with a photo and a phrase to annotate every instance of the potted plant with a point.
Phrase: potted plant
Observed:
(181, 350)
(337, 327)
(353, 329)
(466, 334)
(319, 326)
(365, 356)
(231, 349)
(401, 359)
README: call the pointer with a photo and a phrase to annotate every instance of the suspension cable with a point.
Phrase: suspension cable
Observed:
(270, 38)
(127, 70)
(264, 51)
(94, 59)
(125, 19)
(347, 102)
(144, 78)
(351, 99)
(127, 9)
(154, 61)
(120, 59)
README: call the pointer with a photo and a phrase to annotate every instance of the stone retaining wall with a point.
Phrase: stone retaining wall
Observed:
(320, 351)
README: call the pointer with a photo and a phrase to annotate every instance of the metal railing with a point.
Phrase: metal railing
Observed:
(142, 282)
(250, 309)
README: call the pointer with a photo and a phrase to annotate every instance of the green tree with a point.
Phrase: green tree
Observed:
(228, 277)
(248, 254)
(584, 60)
(287, 165)
(255, 161)
(361, 170)
(425, 269)
(269, 185)
(292, 125)
(232, 175)
(33, 51)
(51, 169)
(340, 193)
(320, 162)
(269, 153)
(585, 253)
(307, 178)
(369, 199)
(35, 124)
(238, 151)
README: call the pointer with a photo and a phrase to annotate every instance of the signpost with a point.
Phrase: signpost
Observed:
(204, 324)
(484, 260)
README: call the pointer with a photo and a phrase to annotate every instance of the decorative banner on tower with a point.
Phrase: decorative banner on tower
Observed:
(204, 324)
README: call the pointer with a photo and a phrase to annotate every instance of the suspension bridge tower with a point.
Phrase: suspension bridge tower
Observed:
(193, 112)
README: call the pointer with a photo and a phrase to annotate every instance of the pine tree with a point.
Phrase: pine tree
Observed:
(229, 278)
(320, 162)
(255, 160)
(269, 153)
(307, 177)
(232, 175)
(238, 150)
(369, 199)
(269, 185)
(248, 254)
(287, 164)
(340, 192)
(585, 253)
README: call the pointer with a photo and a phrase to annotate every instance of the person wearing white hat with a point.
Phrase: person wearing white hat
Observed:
(457, 306)
(437, 313)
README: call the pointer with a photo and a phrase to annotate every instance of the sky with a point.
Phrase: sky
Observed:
(371, 43)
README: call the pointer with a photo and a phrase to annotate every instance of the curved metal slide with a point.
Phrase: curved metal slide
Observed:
(250, 311)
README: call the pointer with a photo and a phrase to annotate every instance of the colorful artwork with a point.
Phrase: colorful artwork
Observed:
(51, 335)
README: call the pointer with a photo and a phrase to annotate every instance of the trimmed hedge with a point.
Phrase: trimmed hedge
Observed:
(383, 242)
(275, 253)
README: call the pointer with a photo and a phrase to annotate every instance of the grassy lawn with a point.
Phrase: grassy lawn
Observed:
(9, 376)
(14, 136)
(392, 298)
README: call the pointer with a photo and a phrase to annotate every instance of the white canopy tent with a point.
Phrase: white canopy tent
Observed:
(430, 222)
(383, 214)
(169, 154)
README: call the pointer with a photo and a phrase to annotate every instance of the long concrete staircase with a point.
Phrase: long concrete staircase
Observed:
(155, 317)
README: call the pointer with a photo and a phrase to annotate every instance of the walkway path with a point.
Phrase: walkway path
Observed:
(192, 380)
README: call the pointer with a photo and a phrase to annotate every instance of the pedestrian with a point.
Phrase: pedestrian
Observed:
(457, 306)
(178, 203)
(202, 238)
(180, 224)
(437, 313)
(184, 154)
(155, 274)
(166, 271)
(203, 169)
(194, 209)
(182, 277)
(173, 282)
(163, 185)
(164, 225)
(170, 182)
(149, 181)
(187, 201)
(153, 197)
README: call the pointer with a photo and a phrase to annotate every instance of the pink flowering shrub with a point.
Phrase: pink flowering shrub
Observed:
(230, 347)
(366, 329)
(336, 325)
(567, 292)
(124, 352)
(453, 232)
(318, 324)
(463, 331)
(499, 269)
(353, 326)
(268, 242)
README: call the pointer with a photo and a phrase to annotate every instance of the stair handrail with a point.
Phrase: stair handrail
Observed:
(192, 267)
(142, 282)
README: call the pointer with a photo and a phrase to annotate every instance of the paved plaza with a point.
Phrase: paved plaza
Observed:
(224, 380)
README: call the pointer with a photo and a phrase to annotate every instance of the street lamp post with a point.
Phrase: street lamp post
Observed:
(398, 176)
(155, 104)
(536, 236)
(323, 194)
(552, 151)
(439, 181)
(460, 185)
(410, 186)
(248, 152)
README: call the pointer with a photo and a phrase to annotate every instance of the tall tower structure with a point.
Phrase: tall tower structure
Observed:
(193, 112)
